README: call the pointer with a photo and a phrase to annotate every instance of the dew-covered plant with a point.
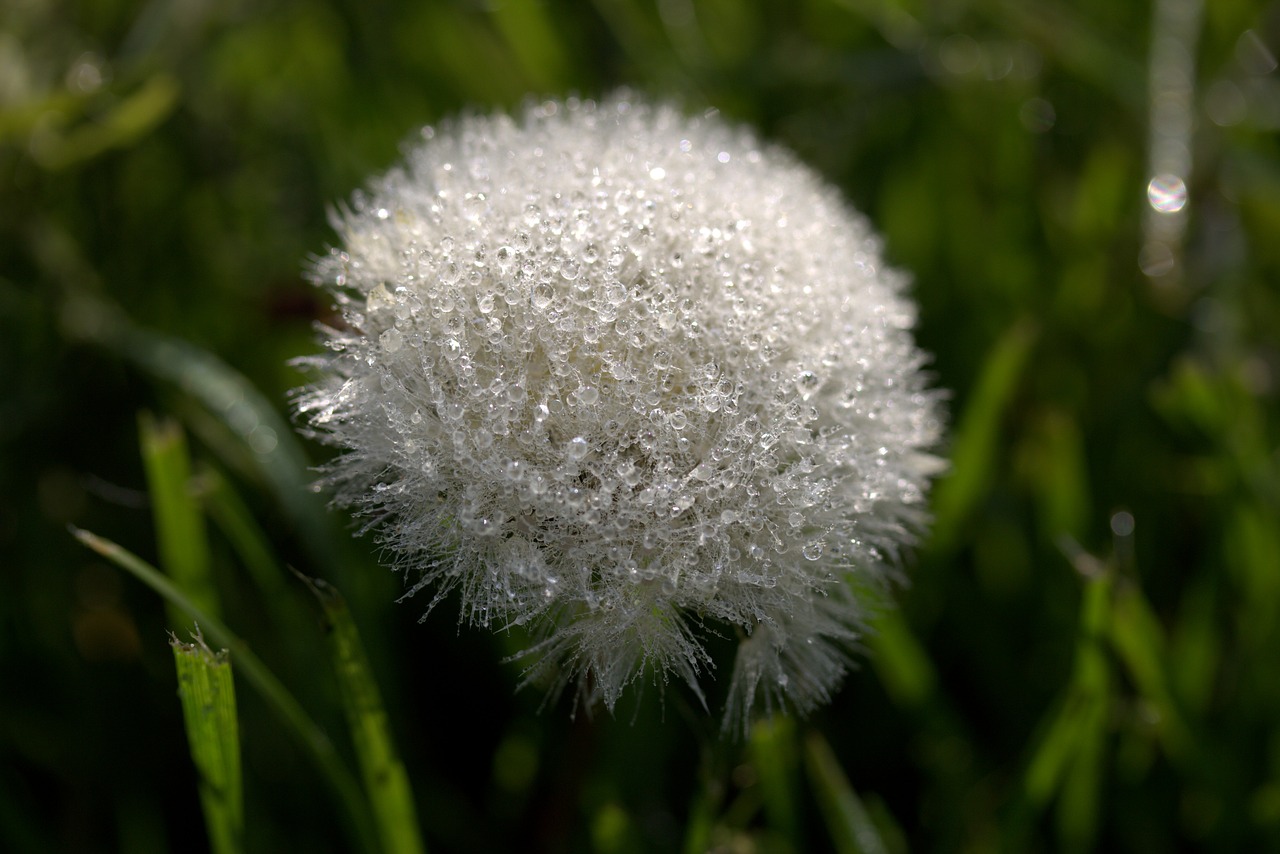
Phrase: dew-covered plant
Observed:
(626, 378)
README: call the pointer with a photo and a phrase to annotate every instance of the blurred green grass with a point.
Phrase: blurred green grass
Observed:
(1085, 658)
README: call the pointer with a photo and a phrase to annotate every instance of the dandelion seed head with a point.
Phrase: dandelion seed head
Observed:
(626, 377)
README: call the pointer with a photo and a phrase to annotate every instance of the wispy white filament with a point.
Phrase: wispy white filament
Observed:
(626, 378)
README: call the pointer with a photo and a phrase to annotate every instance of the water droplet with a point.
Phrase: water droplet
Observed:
(807, 384)
(629, 473)
(391, 340)
(379, 299)
(814, 550)
(541, 296)
(577, 448)
(505, 258)
(1167, 193)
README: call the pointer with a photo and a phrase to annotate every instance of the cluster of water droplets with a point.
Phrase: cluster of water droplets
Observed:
(615, 373)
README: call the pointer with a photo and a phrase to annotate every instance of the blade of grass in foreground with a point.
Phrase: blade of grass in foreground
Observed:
(277, 697)
(848, 822)
(385, 779)
(208, 695)
(180, 530)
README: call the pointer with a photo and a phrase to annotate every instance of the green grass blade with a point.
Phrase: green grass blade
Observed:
(1049, 763)
(385, 779)
(1082, 787)
(1139, 641)
(1196, 644)
(848, 821)
(900, 660)
(1069, 758)
(181, 540)
(207, 691)
(232, 517)
(701, 822)
(132, 117)
(230, 398)
(773, 751)
(977, 436)
(277, 697)
(294, 621)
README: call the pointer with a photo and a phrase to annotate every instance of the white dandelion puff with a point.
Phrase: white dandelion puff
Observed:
(626, 378)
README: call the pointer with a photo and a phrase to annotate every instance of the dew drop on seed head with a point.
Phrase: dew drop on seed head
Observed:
(391, 340)
(577, 448)
(807, 383)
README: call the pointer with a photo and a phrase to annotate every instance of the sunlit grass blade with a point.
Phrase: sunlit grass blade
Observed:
(385, 779)
(313, 739)
(207, 691)
(179, 520)
(847, 820)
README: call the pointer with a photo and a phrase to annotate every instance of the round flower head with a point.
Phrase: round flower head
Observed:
(628, 378)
